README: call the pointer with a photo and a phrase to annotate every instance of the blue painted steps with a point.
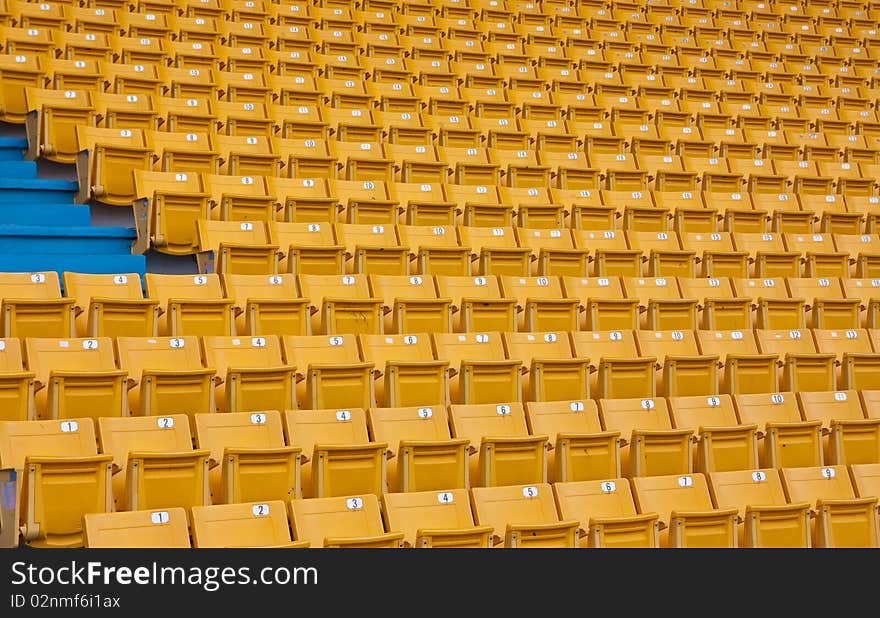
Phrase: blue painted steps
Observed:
(41, 229)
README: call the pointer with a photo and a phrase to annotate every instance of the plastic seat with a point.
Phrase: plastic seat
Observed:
(717, 303)
(652, 446)
(105, 171)
(75, 378)
(840, 519)
(352, 521)
(154, 463)
(16, 384)
(495, 250)
(660, 303)
(167, 206)
(254, 376)
(31, 305)
(307, 248)
(788, 440)
(743, 365)
(854, 353)
(768, 254)
(411, 305)
(183, 152)
(549, 370)
(579, 449)
(330, 371)
(236, 247)
(53, 118)
(765, 518)
(663, 254)
(434, 250)
(720, 442)
(267, 304)
(165, 375)
(339, 459)
(686, 511)
(249, 460)
(239, 198)
(715, 254)
(249, 155)
(440, 519)
(111, 305)
(553, 252)
(341, 304)
(184, 115)
(507, 453)
(541, 305)
(683, 369)
(617, 368)
(607, 513)
(19, 72)
(145, 528)
(526, 514)
(820, 257)
(477, 303)
(825, 303)
(848, 436)
(602, 302)
(405, 372)
(479, 372)
(59, 477)
(422, 454)
(372, 249)
(249, 524)
(191, 304)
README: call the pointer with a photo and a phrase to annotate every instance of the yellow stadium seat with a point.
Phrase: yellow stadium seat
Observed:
(717, 303)
(553, 252)
(434, 250)
(525, 514)
(653, 447)
(347, 521)
(550, 371)
(477, 303)
(245, 155)
(495, 250)
(372, 249)
(840, 519)
(410, 304)
(661, 304)
(59, 477)
(849, 437)
(720, 442)
(338, 457)
(184, 149)
(147, 528)
(154, 463)
(618, 369)
(249, 458)
(239, 198)
(248, 524)
(687, 514)
(765, 518)
(75, 378)
(788, 440)
(16, 384)
(341, 304)
(235, 247)
(254, 376)
(579, 449)
(541, 305)
(165, 375)
(111, 305)
(31, 305)
(307, 248)
(267, 304)
(683, 368)
(330, 371)
(440, 519)
(191, 304)
(51, 118)
(19, 72)
(607, 513)
(427, 457)
(602, 302)
(507, 454)
(405, 372)
(478, 370)
(105, 161)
